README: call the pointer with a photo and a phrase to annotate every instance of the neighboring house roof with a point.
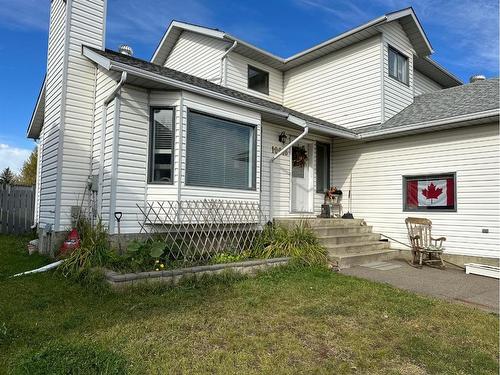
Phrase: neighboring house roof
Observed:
(473, 101)
(111, 59)
(406, 17)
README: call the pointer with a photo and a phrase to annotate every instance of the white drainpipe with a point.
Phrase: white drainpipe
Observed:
(302, 124)
(223, 64)
(105, 104)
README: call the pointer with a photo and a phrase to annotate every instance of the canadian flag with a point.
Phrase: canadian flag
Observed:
(435, 193)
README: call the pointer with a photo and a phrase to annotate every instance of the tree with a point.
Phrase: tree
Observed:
(7, 176)
(28, 171)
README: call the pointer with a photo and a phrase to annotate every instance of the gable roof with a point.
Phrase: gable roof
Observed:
(111, 59)
(406, 17)
(457, 104)
(37, 117)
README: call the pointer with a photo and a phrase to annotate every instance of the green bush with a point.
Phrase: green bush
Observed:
(140, 256)
(299, 242)
(94, 250)
(64, 358)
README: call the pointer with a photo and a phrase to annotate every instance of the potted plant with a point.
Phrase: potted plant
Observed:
(333, 195)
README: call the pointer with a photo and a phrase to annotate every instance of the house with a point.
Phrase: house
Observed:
(214, 117)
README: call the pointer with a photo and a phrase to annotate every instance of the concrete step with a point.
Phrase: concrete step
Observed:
(356, 247)
(319, 222)
(341, 230)
(350, 260)
(348, 238)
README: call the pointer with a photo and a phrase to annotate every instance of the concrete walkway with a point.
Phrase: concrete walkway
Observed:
(451, 284)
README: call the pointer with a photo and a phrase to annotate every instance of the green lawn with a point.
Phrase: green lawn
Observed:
(289, 321)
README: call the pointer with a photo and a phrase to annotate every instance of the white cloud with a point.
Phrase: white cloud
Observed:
(145, 21)
(25, 14)
(468, 28)
(12, 157)
(345, 12)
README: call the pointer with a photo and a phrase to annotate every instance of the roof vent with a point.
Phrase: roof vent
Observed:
(126, 50)
(477, 77)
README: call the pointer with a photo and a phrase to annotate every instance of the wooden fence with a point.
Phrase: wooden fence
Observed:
(17, 207)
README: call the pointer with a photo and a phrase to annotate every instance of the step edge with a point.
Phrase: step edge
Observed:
(370, 252)
(357, 244)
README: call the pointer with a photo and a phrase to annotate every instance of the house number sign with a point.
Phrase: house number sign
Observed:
(276, 149)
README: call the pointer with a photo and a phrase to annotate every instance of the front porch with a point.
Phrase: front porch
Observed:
(349, 242)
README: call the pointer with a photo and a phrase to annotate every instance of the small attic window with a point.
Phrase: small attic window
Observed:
(258, 80)
(398, 66)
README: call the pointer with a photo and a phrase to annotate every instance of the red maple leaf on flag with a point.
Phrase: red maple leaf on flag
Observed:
(431, 192)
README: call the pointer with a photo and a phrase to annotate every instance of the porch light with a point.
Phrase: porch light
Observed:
(283, 137)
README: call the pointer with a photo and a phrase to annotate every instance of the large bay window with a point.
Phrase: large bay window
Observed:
(220, 153)
(161, 154)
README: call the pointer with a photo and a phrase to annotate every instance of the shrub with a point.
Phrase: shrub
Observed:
(94, 249)
(140, 256)
(299, 242)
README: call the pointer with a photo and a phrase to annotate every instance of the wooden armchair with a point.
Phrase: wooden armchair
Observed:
(425, 248)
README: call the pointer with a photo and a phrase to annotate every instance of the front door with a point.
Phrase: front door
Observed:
(302, 187)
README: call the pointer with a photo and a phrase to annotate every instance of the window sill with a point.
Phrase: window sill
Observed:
(397, 80)
(217, 188)
(260, 92)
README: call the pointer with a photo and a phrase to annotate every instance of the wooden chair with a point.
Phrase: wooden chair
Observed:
(425, 248)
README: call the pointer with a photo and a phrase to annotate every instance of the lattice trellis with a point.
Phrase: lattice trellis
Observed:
(196, 230)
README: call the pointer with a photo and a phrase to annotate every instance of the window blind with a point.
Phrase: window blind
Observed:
(219, 153)
(162, 132)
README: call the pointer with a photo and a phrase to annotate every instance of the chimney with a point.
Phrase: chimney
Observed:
(476, 78)
(126, 50)
(69, 83)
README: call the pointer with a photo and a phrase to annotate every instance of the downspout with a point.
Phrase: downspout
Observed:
(301, 123)
(223, 64)
(117, 88)
(105, 104)
(179, 170)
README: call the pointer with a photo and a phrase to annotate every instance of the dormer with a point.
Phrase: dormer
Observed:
(359, 78)
(221, 58)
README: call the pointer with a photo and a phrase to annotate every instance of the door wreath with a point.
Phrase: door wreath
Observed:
(299, 156)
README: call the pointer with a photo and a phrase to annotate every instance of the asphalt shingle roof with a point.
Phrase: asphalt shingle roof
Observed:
(438, 105)
(202, 83)
(456, 101)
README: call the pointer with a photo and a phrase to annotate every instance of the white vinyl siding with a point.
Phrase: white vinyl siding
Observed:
(49, 137)
(198, 55)
(102, 152)
(423, 84)
(237, 77)
(343, 87)
(281, 172)
(397, 95)
(129, 164)
(86, 27)
(377, 168)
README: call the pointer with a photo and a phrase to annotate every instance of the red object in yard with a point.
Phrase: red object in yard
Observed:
(72, 242)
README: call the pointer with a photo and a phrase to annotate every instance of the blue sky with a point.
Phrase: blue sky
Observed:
(464, 34)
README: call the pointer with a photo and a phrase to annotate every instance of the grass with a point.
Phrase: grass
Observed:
(291, 320)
